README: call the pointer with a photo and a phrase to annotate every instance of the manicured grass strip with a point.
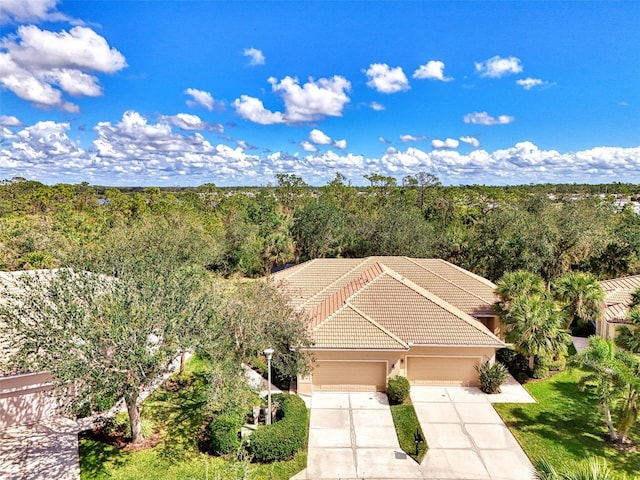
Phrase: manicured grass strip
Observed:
(406, 423)
(565, 426)
(179, 415)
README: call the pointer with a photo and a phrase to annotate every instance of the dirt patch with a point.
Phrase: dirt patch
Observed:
(119, 440)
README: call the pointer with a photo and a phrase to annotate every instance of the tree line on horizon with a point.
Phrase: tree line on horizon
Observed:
(546, 229)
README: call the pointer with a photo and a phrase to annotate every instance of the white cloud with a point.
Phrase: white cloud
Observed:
(483, 118)
(412, 138)
(256, 56)
(433, 70)
(23, 11)
(305, 103)
(34, 62)
(385, 79)
(245, 145)
(135, 151)
(9, 121)
(448, 143)
(383, 140)
(314, 100)
(186, 121)
(200, 98)
(529, 83)
(341, 144)
(319, 137)
(497, 67)
(252, 109)
(378, 107)
(473, 141)
(308, 146)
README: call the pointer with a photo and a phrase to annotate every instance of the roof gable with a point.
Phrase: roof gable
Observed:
(391, 300)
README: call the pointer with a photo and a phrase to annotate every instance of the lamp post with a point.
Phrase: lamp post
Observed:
(269, 353)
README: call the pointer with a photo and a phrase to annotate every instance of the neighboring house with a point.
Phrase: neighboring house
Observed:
(377, 317)
(25, 397)
(617, 300)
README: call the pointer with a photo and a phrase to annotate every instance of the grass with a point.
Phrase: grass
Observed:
(406, 422)
(179, 415)
(565, 426)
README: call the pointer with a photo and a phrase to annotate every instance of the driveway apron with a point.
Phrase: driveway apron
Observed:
(351, 435)
(467, 438)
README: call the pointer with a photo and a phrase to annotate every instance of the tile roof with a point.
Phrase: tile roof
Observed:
(618, 297)
(390, 302)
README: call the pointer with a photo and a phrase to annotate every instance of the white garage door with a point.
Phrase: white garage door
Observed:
(350, 376)
(443, 370)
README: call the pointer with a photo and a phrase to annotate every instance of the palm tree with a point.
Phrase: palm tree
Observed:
(628, 336)
(614, 377)
(582, 297)
(533, 325)
(513, 285)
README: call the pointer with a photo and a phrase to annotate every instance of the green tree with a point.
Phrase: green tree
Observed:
(613, 377)
(107, 334)
(628, 336)
(532, 324)
(515, 285)
(581, 297)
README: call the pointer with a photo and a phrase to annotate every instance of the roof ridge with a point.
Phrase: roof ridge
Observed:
(338, 299)
(451, 282)
(317, 294)
(442, 303)
(380, 327)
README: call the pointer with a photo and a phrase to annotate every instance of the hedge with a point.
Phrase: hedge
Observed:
(224, 433)
(286, 436)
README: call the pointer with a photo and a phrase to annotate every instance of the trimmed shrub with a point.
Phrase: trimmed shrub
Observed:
(540, 371)
(491, 376)
(282, 439)
(398, 389)
(224, 433)
(558, 365)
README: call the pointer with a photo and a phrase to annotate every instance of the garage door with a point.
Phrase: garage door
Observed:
(350, 376)
(443, 370)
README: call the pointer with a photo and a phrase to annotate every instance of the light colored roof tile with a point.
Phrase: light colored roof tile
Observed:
(618, 297)
(402, 300)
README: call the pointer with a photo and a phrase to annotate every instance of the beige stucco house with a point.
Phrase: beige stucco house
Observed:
(617, 300)
(377, 317)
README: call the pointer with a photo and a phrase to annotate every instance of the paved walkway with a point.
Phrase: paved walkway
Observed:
(580, 343)
(351, 435)
(467, 438)
(44, 451)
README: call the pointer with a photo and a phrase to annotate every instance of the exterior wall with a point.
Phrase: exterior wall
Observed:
(493, 324)
(606, 330)
(395, 360)
(24, 399)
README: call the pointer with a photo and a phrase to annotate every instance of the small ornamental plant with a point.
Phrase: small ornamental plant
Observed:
(398, 388)
(491, 376)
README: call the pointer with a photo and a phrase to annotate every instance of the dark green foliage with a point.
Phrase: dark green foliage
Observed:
(514, 362)
(491, 376)
(398, 388)
(541, 371)
(522, 377)
(224, 433)
(286, 436)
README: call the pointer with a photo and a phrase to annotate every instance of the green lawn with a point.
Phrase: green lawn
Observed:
(406, 423)
(179, 417)
(565, 426)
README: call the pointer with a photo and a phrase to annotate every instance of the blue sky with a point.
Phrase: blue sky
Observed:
(190, 92)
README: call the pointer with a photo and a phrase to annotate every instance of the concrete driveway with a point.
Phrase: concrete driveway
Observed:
(351, 435)
(467, 439)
